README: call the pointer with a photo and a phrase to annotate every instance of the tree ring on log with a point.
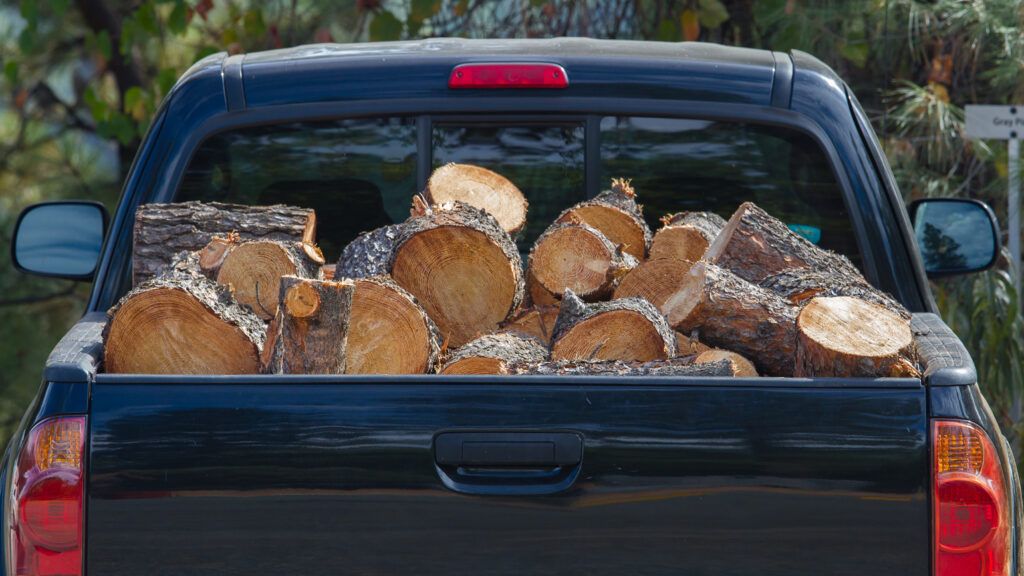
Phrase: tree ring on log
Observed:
(301, 300)
(655, 280)
(480, 188)
(389, 331)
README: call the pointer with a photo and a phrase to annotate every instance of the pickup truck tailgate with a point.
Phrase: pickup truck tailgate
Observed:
(312, 475)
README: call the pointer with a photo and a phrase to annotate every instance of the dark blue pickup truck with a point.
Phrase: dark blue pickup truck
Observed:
(120, 474)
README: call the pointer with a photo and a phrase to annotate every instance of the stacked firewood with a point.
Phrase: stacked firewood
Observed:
(226, 289)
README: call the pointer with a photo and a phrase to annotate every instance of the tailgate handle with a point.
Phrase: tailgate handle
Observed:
(511, 449)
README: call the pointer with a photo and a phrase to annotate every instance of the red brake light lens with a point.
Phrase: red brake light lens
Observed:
(497, 76)
(971, 510)
(48, 491)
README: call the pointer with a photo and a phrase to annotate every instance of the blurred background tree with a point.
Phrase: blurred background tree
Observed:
(82, 79)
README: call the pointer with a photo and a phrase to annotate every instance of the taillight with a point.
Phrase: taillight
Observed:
(508, 76)
(971, 507)
(47, 494)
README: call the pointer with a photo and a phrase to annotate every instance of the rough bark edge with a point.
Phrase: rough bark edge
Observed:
(340, 291)
(620, 197)
(800, 285)
(677, 367)
(574, 310)
(509, 347)
(708, 224)
(433, 333)
(370, 254)
(621, 262)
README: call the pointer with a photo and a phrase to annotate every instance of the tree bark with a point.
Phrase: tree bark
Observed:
(731, 313)
(253, 272)
(629, 329)
(390, 333)
(739, 365)
(312, 326)
(577, 257)
(799, 285)
(677, 367)
(163, 230)
(494, 353)
(686, 235)
(617, 215)
(481, 188)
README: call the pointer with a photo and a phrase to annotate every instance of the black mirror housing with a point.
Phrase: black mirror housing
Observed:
(955, 236)
(60, 239)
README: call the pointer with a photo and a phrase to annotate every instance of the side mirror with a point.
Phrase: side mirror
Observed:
(59, 239)
(955, 236)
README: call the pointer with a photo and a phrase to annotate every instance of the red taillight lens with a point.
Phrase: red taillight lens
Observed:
(971, 510)
(508, 76)
(48, 490)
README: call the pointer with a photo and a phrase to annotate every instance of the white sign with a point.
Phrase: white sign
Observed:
(994, 122)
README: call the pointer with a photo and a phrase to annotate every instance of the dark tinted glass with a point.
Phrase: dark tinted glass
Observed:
(357, 174)
(544, 161)
(60, 239)
(681, 164)
(954, 236)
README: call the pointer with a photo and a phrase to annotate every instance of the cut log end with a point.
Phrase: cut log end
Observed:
(312, 326)
(212, 256)
(253, 271)
(740, 366)
(629, 329)
(620, 227)
(389, 332)
(481, 188)
(494, 353)
(302, 301)
(655, 280)
(579, 258)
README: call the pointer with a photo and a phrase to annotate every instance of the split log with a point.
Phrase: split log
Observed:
(686, 235)
(739, 365)
(730, 312)
(312, 326)
(677, 367)
(629, 329)
(689, 345)
(163, 230)
(536, 321)
(389, 332)
(494, 353)
(755, 245)
(617, 215)
(848, 337)
(458, 262)
(182, 323)
(253, 271)
(655, 280)
(481, 188)
(799, 285)
(580, 258)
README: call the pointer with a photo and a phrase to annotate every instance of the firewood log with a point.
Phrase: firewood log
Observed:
(535, 321)
(458, 262)
(729, 312)
(537, 295)
(849, 337)
(739, 365)
(655, 280)
(678, 367)
(480, 188)
(689, 345)
(686, 235)
(389, 332)
(799, 285)
(311, 327)
(182, 323)
(755, 245)
(577, 257)
(163, 230)
(628, 329)
(253, 271)
(617, 215)
(494, 353)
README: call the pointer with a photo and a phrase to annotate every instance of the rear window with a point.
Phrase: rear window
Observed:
(361, 174)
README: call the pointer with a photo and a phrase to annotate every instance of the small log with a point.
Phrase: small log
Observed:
(211, 257)
(755, 245)
(312, 326)
(253, 271)
(389, 332)
(536, 321)
(848, 337)
(182, 323)
(677, 367)
(655, 280)
(617, 215)
(740, 366)
(730, 312)
(577, 257)
(629, 329)
(799, 285)
(481, 188)
(494, 353)
(689, 345)
(458, 262)
(686, 235)
(163, 230)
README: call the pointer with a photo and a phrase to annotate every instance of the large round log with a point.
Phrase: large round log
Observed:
(755, 245)
(799, 285)
(481, 188)
(163, 230)
(628, 329)
(617, 215)
(370, 254)
(655, 280)
(253, 271)
(182, 323)
(389, 332)
(686, 235)
(739, 365)
(312, 326)
(731, 313)
(494, 353)
(849, 337)
(577, 257)
(677, 367)
(536, 321)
